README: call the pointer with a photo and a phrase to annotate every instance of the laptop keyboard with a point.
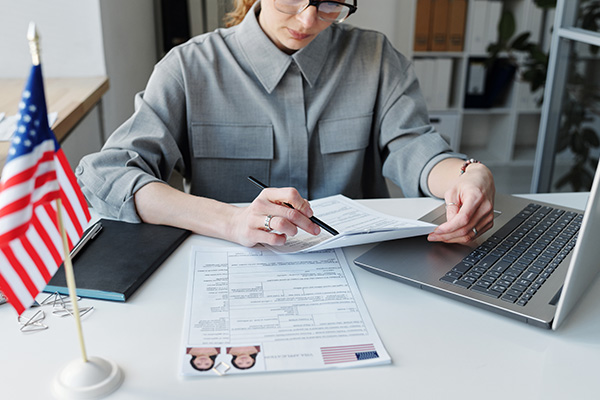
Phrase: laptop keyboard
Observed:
(516, 261)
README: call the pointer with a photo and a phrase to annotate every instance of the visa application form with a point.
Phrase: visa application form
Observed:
(293, 312)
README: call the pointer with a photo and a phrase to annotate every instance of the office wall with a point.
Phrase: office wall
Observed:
(392, 17)
(129, 37)
(70, 32)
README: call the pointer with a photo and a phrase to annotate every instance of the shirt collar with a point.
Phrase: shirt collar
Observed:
(269, 63)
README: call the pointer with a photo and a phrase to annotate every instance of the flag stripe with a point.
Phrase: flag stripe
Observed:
(342, 354)
(28, 264)
(48, 242)
(23, 276)
(35, 257)
(42, 250)
(10, 294)
(69, 183)
(24, 166)
(48, 219)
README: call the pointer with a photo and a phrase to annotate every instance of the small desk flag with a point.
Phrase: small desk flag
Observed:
(35, 175)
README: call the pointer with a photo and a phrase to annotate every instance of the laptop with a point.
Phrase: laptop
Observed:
(533, 265)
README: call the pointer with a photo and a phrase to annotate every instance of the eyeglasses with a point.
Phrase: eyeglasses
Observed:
(329, 11)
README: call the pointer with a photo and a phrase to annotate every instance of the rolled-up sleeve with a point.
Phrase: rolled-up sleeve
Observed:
(146, 148)
(411, 143)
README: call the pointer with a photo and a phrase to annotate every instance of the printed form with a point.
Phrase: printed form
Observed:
(356, 224)
(253, 310)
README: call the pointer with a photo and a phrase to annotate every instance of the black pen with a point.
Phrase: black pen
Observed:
(87, 236)
(313, 218)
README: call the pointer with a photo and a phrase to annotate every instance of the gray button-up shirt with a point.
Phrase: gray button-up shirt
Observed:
(335, 117)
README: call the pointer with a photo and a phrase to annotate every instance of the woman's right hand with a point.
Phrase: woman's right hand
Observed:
(269, 220)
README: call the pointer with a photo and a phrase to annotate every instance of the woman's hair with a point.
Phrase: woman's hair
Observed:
(193, 364)
(240, 10)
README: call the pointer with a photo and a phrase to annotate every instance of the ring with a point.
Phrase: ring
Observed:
(475, 231)
(268, 223)
(451, 204)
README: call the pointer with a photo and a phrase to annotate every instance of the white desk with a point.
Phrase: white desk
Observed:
(441, 349)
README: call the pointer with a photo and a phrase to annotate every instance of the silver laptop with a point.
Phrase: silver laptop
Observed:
(533, 265)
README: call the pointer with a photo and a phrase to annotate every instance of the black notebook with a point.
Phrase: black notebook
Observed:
(114, 264)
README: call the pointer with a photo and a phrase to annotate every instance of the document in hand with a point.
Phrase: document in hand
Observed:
(356, 224)
(252, 310)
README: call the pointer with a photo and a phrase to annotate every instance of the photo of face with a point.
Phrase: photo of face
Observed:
(203, 358)
(243, 357)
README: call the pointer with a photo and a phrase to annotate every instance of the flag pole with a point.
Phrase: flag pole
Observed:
(34, 48)
(70, 279)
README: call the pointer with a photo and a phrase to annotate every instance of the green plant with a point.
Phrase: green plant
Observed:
(580, 111)
(576, 134)
(528, 56)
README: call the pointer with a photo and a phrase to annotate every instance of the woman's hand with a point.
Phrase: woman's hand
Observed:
(159, 203)
(269, 220)
(469, 206)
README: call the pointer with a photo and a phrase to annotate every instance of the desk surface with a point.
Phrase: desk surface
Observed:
(440, 348)
(71, 98)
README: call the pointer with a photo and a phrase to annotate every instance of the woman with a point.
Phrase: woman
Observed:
(299, 101)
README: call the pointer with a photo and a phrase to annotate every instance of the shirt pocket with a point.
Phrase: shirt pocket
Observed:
(345, 135)
(343, 145)
(224, 156)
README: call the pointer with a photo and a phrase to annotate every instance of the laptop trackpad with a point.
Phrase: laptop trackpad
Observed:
(413, 260)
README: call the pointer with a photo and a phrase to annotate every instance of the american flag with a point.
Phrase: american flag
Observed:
(35, 175)
(342, 354)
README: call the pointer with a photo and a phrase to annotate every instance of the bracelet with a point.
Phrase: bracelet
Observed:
(470, 161)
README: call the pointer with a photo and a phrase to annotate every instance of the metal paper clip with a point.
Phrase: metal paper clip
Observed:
(64, 311)
(33, 323)
(57, 300)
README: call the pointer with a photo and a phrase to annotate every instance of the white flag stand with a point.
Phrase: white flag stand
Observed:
(85, 378)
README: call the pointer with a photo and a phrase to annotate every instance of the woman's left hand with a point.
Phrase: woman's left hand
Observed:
(469, 206)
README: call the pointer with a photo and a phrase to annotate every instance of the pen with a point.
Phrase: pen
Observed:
(313, 218)
(87, 236)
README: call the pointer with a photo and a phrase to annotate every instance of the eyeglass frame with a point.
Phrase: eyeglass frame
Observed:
(352, 8)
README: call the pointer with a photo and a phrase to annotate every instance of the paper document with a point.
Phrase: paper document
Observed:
(356, 224)
(253, 310)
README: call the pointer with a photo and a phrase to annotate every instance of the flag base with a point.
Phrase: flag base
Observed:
(93, 379)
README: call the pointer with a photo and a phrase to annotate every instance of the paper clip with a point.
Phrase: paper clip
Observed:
(57, 300)
(33, 323)
(221, 368)
(64, 311)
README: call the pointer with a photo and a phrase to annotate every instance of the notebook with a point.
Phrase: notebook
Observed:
(533, 265)
(114, 264)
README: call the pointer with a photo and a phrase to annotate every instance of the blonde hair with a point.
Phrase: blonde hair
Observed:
(240, 10)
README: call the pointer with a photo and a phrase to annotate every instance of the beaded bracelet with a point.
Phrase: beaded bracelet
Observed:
(470, 161)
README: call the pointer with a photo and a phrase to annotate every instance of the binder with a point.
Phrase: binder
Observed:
(422, 25)
(438, 34)
(457, 15)
(114, 264)
(476, 79)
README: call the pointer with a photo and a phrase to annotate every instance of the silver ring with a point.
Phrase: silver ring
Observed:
(268, 223)
(452, 204)
(475, 231)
